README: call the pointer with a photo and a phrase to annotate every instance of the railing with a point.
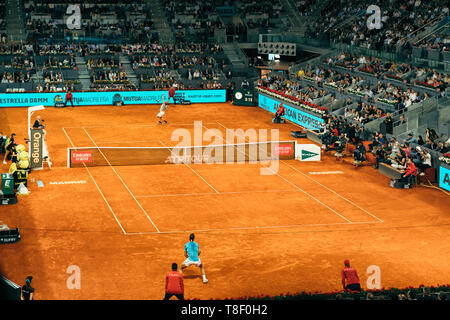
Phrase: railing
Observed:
(424, 27)
(446, 25)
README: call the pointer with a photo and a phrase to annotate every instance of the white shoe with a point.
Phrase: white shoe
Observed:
(205, 280)
(421, 174)
(4, 162)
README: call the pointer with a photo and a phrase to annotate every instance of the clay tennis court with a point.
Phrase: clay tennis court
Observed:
(123, 226)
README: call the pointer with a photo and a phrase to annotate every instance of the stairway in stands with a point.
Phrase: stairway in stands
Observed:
(160, 21)
(15, 20)
(131, 75)
(294, 17)
(231, 50)
(300, 23)
(83, 72)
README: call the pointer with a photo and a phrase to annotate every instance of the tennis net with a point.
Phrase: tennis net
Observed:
(136, 156)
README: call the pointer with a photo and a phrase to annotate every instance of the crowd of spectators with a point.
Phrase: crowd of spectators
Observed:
(179, 47)
(154, 61)
(60, 62)
(204, 74)
(401, 72)
(196, 18)
(259, 13)
(399, 21)
(440, 41)
(106, 19)
(304, 7)
(108, 86)
(103, 62)
(20, 62)
(15, 49)
(50, 76)
(110, 76)
(157, 75)
(15, 77)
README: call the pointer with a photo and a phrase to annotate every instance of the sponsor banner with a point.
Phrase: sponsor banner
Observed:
(59, 101)
(444, 178)
(307, 152)
(109, 98)
(9, 236)
(67, 182)
(37, 140)
(283, 149)
(82, 156)
(293, 114)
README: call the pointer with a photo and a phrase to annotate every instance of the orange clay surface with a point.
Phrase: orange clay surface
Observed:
(258, 234)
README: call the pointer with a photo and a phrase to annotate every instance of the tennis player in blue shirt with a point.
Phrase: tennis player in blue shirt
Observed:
(191, 252)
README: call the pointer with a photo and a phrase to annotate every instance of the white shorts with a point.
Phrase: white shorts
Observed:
(188, 262)
(160, 114)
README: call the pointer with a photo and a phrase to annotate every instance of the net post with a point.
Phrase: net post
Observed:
(68, 157)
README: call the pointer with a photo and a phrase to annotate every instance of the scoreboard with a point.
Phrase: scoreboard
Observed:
(243, 97)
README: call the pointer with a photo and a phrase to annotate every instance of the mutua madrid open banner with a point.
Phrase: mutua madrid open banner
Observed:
(295, 115)
(109, 97)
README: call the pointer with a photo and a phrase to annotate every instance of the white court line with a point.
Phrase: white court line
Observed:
(198, 174)
(331, 190)
(120, 178)
(253, 228)
(309, 195)
(98, 188)
(136, 125)
(213, 193)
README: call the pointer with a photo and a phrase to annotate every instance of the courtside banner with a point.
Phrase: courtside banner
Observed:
(82, 156)
(444, 177)
(107, 98)
(36, 147)
(307, 152)
(293, 114)
(283, 149)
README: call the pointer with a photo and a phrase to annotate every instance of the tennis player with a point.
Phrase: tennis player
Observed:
(162, 112)
(191, 252)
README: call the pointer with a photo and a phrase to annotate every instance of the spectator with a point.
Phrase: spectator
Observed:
(174, 284)
(359, 155)
(350, 279)
(410, 173)
(411, 139)
(420, 141)
(389, 123)
(425, 161)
